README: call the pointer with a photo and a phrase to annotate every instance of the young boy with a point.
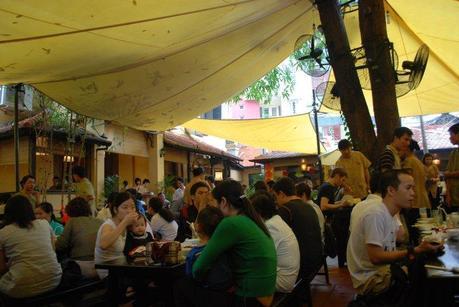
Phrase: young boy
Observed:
(137, 236)
(219, 277)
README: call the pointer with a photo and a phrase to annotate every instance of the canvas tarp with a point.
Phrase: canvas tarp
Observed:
(290, 133)
(411, 23)
(155, 64)
(150, 65)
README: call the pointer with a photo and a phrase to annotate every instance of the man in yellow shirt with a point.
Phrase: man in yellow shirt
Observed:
(356, 166)
(198, 175)
(83, 187)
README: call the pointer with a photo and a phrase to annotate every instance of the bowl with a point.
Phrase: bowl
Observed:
(453, 234)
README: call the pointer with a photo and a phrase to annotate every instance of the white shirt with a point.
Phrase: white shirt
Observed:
(375, 225)
(168, 231)
(288, 253)
(361, 206)
(178, 194)
(320, 216)
(32, 264)
(114, 252)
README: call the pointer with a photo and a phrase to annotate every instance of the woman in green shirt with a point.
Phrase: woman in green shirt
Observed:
(243, 236)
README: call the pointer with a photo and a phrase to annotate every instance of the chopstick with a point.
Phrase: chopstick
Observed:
(454, 270)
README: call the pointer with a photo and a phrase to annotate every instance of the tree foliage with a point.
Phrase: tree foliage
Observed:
(280, 80)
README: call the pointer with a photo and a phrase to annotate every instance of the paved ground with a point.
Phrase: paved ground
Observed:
(339, 293)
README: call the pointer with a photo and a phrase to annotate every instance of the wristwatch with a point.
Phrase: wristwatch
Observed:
(410, 253)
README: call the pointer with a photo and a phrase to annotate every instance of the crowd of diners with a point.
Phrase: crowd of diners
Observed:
(251, 249)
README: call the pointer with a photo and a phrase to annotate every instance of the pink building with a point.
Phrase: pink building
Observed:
(245, 109)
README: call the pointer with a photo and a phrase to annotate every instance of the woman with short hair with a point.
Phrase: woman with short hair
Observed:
(79, 237)
(27, 184)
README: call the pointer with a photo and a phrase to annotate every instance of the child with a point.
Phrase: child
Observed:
(137, 236)
(219, 277)
(45, 211)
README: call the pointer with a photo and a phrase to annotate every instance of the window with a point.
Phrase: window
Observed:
(265, 112)
(241, 106)
(274, 111)
(294, 106)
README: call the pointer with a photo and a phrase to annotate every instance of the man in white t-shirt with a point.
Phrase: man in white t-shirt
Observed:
(372, 243)
(375, 196)
(285, 242)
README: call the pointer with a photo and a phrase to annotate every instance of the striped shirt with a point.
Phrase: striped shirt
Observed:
(389, 159)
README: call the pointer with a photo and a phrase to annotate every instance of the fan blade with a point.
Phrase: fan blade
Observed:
(318, 61)
(305, 57)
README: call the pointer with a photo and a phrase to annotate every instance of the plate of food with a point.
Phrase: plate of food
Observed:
(426, 220)
(424, 227)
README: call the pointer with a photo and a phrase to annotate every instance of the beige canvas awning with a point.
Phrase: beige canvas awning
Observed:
(153, 65)
(290, 133)
(411, 23)
(146, 64)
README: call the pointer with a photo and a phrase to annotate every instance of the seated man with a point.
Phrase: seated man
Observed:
(198, 195)
(303, 220)
(372, 243)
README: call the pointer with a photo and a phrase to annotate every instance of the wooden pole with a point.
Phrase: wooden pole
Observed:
(17, 88)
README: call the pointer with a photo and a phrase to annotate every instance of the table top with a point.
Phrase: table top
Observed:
(449, 259)
(125, 264)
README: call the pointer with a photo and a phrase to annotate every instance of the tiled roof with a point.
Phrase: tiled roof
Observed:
(273, 155)
(187, 142)
(27, 122)
(26, 125)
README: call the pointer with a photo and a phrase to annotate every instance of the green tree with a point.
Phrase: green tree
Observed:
(353, 104)
(280, 80)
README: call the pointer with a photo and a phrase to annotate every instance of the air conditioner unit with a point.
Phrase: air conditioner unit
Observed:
(7, 98)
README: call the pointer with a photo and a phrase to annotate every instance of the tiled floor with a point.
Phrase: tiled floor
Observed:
(339, 293)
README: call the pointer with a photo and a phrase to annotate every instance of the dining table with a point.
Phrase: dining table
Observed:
(163, 276)
(442, 286)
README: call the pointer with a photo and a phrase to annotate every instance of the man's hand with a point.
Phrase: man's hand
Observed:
(428, 247)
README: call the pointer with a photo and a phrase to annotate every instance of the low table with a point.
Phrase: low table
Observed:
(449, 259)
(164, 276)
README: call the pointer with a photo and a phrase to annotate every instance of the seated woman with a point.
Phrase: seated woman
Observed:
(288, 252)
(162, 221)
(45, 211)
(111, 236)
(243, 236)
(28, 264)
(79, 237)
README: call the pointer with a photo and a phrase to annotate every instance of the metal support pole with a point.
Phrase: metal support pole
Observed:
(17, 88)
(316, 124)
(425, 146)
